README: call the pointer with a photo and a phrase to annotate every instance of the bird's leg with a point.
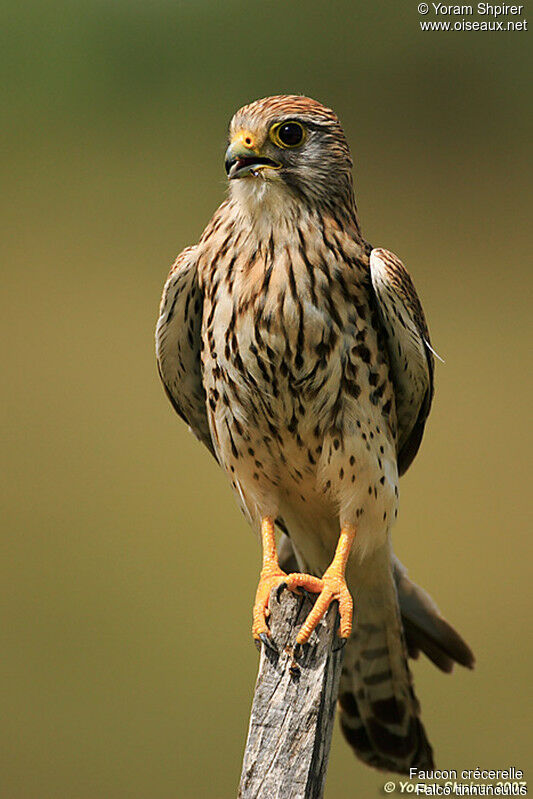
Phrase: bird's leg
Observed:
(272, 576)
(331, 587)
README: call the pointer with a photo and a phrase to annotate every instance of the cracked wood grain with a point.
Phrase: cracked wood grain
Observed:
(293, 710)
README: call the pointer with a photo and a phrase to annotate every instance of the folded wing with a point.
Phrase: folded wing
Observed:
(409, 349)
(178, 345)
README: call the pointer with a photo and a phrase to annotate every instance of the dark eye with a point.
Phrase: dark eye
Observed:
(287, 134)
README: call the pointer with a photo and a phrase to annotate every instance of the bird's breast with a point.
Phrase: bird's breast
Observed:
(277, 342)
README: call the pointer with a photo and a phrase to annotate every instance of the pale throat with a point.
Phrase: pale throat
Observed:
(265, 205)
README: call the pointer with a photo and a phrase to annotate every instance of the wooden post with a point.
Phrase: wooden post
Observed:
(292, 716)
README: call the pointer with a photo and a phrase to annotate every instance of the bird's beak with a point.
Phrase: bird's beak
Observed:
(245, 160)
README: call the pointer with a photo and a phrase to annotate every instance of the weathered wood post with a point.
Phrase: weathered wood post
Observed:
(293, 710)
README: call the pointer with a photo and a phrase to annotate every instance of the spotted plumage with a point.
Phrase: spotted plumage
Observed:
(300, 357)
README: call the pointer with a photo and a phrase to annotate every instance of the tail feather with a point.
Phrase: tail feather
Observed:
(379, 712)
(425, 629)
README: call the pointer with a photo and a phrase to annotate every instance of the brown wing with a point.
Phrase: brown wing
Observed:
(178, 343)
(408, 344)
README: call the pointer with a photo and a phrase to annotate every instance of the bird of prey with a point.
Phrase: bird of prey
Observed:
(300, 356)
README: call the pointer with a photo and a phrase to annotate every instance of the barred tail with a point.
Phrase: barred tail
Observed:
(379, 711)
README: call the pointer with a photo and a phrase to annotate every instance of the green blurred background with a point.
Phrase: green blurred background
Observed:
(127, 572)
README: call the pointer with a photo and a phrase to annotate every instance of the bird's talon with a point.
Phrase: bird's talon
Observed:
(261, 612)
(340, 645)
(281, 587)
(298, 651)
(268, 642)
(331, 588)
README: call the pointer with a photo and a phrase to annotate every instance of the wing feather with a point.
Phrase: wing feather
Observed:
(409, 348)
(178, 345)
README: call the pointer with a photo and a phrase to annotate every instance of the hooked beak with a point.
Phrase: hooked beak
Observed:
(242, 161)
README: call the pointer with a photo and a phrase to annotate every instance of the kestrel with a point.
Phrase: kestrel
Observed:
(300, 356)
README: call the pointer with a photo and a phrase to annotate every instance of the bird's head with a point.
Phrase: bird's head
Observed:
(289, 146)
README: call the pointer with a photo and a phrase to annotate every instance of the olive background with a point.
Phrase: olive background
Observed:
(127, 573)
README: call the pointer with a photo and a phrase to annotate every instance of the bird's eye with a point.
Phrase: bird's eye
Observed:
(287, 134)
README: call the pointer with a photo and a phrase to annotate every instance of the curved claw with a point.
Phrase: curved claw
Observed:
(280, 589)
(342, 643)
(268, 642)
(299, 651)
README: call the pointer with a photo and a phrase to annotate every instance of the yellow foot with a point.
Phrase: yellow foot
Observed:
(330, 588)
(274, 578)
(268, 580)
